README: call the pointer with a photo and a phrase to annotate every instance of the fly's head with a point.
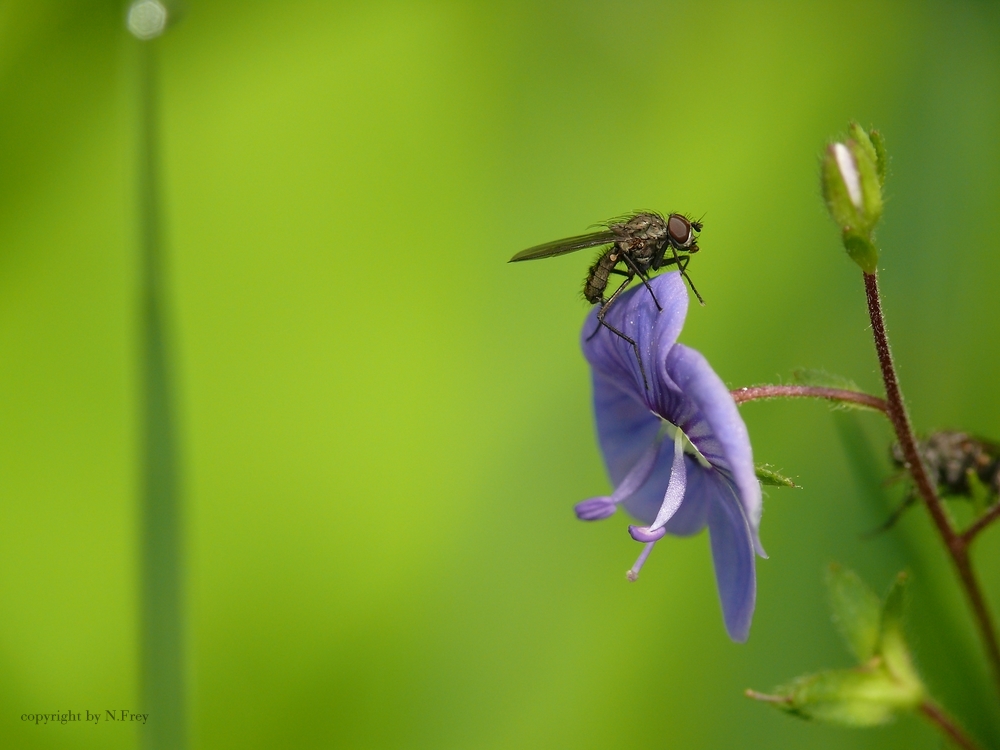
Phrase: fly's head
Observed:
(683, 233)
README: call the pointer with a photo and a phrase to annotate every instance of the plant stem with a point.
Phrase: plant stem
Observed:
(981, 523)
(755, 392)
(956, 544)
(161, 596)
(947, 725)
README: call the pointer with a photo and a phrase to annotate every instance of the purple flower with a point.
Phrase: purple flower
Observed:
(678, 452)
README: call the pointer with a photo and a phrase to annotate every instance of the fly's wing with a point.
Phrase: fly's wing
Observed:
(568, 245)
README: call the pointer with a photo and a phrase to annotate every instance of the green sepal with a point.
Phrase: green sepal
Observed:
(857, 611)
(771, 478)
(892, 641)
(871, 185)
(861, 137)
(861, 250)
(838, 201)
(881, 157)
(863, 697)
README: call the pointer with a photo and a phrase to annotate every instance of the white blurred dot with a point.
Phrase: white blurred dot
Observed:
(146, 18)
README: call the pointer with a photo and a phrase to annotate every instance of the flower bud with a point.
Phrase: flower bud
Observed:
(862, 697)
(852, 176)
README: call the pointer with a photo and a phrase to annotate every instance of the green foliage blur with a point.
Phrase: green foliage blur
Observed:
(385, 427)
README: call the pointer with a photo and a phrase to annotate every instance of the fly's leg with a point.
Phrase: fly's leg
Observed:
(602, 322)
(605, 303)
(645, 280)
(682, 265)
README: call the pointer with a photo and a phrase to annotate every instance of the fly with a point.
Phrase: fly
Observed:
(639, 243)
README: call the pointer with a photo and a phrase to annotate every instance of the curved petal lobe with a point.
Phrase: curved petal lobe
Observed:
(733, 557)
(716, 429)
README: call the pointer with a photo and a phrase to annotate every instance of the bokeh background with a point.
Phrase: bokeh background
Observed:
(384, 427)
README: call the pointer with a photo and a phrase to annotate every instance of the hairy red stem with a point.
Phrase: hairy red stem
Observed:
(755, 392)
(956, 544)
(947, 725)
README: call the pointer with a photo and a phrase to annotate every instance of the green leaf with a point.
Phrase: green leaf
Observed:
(771, 478)
(823, 379)
(894, 606)
(861, 697)
(857, 611)
(892, 641)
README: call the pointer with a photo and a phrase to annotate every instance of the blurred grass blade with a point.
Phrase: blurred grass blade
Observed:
(161, 636)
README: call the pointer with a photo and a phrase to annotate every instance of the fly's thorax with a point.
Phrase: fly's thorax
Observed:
(641, 251)
(644, 226)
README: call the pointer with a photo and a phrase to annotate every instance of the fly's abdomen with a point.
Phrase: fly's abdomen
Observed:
(597, 279)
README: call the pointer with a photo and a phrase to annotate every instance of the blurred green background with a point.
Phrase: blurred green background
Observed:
(385, 427)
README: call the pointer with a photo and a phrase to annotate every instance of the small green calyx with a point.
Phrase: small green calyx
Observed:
(861, 250)
(852, 176)
(770, 477)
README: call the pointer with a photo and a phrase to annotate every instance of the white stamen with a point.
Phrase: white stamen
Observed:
(675, 487)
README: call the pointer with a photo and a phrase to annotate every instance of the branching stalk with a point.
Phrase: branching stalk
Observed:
(981, 523)
(956, 544)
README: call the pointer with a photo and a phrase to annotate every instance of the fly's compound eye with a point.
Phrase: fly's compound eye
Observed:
(679, 229)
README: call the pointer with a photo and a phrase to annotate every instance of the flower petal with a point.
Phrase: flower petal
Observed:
(654, 332)
(625, 427)
(597, 508)
(646, 502)
(705, 410)
(733, 557)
